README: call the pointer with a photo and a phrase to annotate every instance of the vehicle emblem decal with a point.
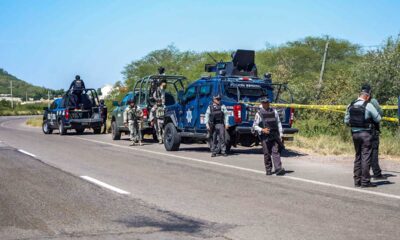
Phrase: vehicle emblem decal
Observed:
(189, 116)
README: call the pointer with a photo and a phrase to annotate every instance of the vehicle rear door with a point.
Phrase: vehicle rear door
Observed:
(205, 98)
(120, 110)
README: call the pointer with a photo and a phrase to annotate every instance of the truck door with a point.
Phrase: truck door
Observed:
(205, 99)
(190, 115)
(121, 109)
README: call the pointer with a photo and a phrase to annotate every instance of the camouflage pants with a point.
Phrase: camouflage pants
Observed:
(159, 124)
(134, 131)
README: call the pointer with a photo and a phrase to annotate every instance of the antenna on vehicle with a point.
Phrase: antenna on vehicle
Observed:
(212, 57)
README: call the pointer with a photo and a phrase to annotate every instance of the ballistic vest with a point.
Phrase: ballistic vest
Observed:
(268, 119)
(357, 115)
(216, 114)
(132, 114)
(159, 112)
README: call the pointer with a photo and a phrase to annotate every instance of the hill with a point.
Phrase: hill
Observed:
(21, 88)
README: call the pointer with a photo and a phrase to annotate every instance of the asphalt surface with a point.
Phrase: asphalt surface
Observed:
(180, 195)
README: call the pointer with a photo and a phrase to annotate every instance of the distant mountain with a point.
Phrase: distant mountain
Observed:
(21, 88)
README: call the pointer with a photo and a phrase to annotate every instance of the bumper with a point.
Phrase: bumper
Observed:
(83, 123)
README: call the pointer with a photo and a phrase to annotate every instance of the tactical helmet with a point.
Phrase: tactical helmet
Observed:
(77, 77)
(131, 101)
(366, 88)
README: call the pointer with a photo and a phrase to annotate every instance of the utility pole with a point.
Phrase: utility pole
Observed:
(12, 100)
(26, 96)
(322, 69)
(48, 99)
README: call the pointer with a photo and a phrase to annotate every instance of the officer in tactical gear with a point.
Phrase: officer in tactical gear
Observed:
(103, 114)
(159, 93)
(360, 116)
(157, 119)
(133, 119)
(216, 119)
(269, 127)
(376, 169)
(77, 86)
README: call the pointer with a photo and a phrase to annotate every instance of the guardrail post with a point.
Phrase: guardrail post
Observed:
(398, 109)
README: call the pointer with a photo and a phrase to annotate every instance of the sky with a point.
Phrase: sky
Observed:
(48, 42)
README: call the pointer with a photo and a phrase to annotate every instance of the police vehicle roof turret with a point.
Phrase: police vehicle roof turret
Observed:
(242, 65)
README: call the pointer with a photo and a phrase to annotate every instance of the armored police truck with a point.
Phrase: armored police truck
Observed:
(73, 111)
(240, 87)
(142, 94)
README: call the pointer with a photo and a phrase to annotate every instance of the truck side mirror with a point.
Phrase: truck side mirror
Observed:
(115, 103)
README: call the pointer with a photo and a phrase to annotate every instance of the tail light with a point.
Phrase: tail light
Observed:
(237, 113)
(291, 119)
(145, 113)
(67, 114)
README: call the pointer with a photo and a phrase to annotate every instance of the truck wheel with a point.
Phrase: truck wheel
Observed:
(172, 139)
(46, 129)
(80, 131)
(61, 128)
(96, 130)
(115, 133)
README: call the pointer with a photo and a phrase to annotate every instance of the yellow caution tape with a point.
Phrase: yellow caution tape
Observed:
(330, 108)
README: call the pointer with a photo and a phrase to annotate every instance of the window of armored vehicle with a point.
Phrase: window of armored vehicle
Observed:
(247, 92)
(205, 90)
(190, 93)
(126, 98)
(53, 105)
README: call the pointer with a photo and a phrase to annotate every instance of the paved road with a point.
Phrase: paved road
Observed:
(179, 195)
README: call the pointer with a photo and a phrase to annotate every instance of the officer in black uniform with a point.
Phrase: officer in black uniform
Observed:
(269, 127)
(77, 86)
(375, 132)
(103, 114)
(216, 119)
(360, 116)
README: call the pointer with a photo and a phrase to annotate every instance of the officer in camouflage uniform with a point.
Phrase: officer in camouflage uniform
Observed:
(133, 119)
(269, 127)
(157, 119)
(159, 93)
(216, 119)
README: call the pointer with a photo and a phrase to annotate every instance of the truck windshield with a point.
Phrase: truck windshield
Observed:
(247, 92)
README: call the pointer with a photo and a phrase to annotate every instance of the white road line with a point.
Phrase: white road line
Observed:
(105, 185)
(387, 195)
(27, 153)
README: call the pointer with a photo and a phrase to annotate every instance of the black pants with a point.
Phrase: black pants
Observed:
(218, 139)
(271, 150)
(363, 147)
(376, 169)
(104, 125)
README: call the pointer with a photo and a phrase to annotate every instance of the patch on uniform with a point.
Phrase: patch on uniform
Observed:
(189, 116)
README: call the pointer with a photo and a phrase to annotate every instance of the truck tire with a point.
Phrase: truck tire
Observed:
(97, 130)
(61, 128)
(172, 139)
(46, 129)
(115, 133)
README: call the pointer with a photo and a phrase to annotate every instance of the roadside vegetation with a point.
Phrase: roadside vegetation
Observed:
(35, 121)
(27, 109)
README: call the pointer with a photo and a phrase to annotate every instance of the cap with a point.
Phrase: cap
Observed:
(366, 88)
(217, 96)
(265, 100)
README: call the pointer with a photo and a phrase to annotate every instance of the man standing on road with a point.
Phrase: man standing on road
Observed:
(216, 119)
(103, 114)
(360, 116)
(132, 119)
(269, 127)
(375, 132)
(157, 119)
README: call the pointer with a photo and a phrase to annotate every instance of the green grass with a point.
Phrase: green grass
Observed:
(35, 121)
